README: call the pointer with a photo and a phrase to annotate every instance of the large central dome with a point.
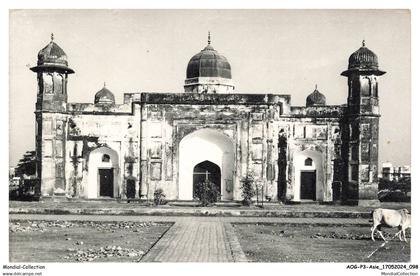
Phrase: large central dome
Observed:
(208, 72)
(208, 63)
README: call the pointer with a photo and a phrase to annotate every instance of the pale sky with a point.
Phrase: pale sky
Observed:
(270, 51)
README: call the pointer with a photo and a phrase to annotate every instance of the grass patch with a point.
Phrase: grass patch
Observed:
(77, 241)
(306, 243)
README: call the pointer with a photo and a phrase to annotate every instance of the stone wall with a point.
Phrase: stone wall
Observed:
(246, 120)
(69, 138)
(255, 133)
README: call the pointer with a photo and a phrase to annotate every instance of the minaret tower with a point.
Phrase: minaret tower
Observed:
(52, 71)
(361, 131)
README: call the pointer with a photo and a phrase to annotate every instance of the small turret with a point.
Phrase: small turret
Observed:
(52, 71)
(316, 98)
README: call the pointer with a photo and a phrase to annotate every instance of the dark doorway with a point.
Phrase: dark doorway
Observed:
(308, 185)
(206, 171)
(106, 182)
(282, 165)
(131, 188)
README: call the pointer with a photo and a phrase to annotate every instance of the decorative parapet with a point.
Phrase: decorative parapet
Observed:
(214, 99)
(335, 111)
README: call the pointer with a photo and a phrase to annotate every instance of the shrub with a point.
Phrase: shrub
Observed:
(248, 189)
(159, 197)
(207, 192)
(395, 190)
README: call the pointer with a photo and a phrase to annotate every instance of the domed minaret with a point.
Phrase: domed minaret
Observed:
(208, 72)
(52, 71)
(362, 128)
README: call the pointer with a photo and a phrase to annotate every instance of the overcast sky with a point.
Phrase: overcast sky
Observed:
(270, 51)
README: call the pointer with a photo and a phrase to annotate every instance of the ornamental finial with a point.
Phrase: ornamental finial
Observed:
(104, 84)
(363, 43)
(316, 86)
(209, 38)
(52, 36)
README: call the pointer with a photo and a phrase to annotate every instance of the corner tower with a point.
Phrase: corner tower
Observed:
(52, 71)
(208, 72)
(361, 131)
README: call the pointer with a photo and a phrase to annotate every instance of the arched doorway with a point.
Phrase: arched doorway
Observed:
(198, 147)
(308, 180)
(206, 171)
(103, 180)
(309, 176)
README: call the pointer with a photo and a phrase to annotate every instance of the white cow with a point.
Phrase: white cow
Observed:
(391, 218)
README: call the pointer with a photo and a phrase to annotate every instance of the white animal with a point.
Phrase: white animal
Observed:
(391, 218)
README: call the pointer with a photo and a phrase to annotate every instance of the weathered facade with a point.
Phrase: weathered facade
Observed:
(316, 152)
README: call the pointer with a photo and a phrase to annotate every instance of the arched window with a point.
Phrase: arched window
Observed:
(48, 83)
(58, 84)
(308, 162)
(105, 158)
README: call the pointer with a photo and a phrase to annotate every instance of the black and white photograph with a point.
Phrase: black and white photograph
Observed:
(276, 136)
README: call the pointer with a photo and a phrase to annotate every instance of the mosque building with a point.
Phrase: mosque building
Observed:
(318, 152)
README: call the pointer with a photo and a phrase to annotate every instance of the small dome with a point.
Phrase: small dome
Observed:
(104, 96)
(53, 57)
(208, 63)
(363, 59)
(316, 98)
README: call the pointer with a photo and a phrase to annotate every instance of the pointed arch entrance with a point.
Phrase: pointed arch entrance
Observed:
(206, 171)
(103, 178)
(202, 150)
(309, 175)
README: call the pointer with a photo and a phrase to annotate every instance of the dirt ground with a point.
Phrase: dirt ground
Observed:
(288, 243)
(115, 205)
(62, 241)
